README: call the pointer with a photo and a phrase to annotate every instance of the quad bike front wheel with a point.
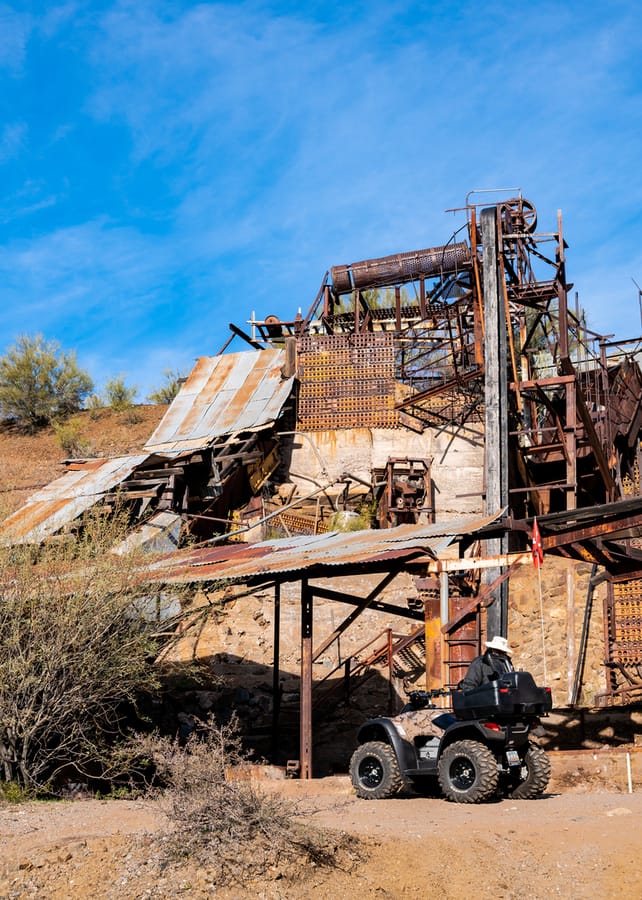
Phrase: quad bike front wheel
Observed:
(375, 772)
(468, 772)
(534, 775)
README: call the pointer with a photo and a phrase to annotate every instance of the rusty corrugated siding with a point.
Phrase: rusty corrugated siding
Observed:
(242, 562)
(64, 499)
(223, 395)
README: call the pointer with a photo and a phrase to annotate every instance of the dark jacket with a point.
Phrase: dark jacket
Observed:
(485, 668)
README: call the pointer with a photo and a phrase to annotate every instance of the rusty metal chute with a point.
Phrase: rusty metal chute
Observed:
(400, 268)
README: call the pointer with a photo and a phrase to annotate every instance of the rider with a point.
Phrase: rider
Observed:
(490, 665)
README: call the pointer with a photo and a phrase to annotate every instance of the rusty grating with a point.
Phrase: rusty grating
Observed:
(346, 381)
(224, 395)
(623, 627)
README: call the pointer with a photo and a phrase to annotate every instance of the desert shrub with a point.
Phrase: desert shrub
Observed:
(346, 521)
(74, 649)
(166, 392)
(222, 820)
(132, 416)
(95, 406)
(118, 396)
(39, 383)
(70, 438)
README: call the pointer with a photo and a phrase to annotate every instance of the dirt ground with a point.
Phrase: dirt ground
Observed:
(571, 845)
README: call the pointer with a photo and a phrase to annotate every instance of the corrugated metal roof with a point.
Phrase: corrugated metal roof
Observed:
(242, 562)
(64, 499)
(223, 395)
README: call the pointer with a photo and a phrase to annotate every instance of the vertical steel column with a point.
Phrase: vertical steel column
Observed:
(444, 616)
(305, 733)
(276, 684)
(422, 298)
(570, 437)
(496, 381)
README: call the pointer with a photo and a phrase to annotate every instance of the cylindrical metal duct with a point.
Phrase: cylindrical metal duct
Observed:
(400, 268)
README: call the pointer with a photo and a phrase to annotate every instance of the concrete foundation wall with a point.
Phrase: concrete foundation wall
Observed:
(457, 462)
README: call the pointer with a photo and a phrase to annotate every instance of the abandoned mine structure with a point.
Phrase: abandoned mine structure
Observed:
(388, 451)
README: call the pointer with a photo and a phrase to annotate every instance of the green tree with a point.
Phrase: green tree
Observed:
(168, 390)
(40, 384)
(118, 396)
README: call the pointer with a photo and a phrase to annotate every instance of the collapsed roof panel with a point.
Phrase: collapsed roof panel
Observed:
(63, 500)
(224, 395)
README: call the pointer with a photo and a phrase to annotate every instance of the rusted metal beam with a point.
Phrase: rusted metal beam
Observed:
(600, 457)
(481, 598)
(240, 333)
(602, 528)
(363, 605)
(378, 605)
(438, 389)
(305, 727)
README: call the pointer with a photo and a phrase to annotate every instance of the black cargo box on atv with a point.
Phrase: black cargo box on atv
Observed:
(513, 694)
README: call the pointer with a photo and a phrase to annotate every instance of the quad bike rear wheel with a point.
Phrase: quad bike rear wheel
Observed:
(375, 772)
(468, 772)
(535, 772)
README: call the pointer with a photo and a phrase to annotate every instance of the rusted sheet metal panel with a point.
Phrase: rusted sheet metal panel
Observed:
(400, 267)
(242, 562)
(223, 395)
(64, 499)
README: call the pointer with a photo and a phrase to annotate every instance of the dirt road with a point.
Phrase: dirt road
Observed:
(571, 845)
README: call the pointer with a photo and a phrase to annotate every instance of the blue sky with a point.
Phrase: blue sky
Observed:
(168, 167)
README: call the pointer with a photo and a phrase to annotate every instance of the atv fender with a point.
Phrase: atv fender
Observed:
(382, 729)
(472, 730)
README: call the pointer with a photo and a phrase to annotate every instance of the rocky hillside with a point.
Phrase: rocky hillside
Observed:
(28, 462)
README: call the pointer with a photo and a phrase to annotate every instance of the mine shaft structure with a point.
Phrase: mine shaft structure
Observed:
(403, 341)
(400, 341)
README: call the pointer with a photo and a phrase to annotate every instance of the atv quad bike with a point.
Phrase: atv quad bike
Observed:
(484, 748)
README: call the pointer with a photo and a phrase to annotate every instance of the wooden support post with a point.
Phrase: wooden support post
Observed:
(289, 367)
(433, 644)
(305, 733)
(276, 684)
(496, 381)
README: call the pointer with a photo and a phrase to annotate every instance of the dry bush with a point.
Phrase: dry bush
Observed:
(75, 648)
(225, 823)
(69, 436)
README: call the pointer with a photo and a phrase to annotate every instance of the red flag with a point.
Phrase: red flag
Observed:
(538, 550)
